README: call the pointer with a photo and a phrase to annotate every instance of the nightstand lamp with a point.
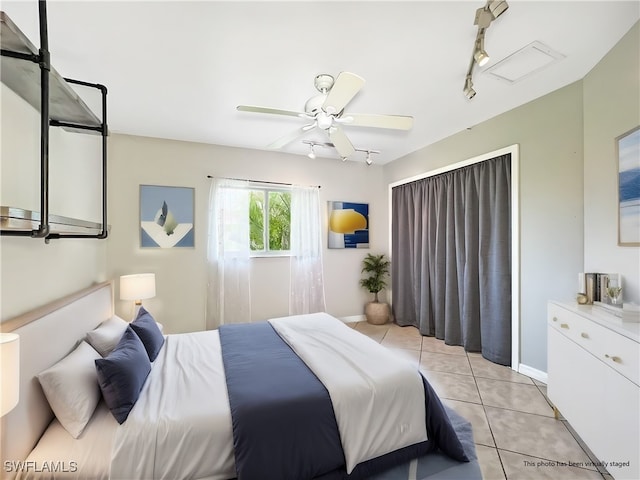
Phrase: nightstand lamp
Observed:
(9, 371)
(137, 287)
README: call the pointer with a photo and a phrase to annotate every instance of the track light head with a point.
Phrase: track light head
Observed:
(368, 159)
(497, 7)
(469, 92)
(487, 14)
(311, 153)
(480, 55)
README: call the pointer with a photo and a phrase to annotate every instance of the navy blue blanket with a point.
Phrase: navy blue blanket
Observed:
(283, 421)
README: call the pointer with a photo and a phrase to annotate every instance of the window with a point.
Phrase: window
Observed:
(269, 220)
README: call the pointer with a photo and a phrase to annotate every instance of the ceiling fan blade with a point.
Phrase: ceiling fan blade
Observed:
(290, 137)
(344, 89)
(397, 122)
(275, 111)
(340, 141)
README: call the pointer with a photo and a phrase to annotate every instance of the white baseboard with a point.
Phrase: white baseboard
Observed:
(533, 372)
(353, 318)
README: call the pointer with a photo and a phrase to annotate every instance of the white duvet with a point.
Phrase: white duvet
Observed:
(181, 425)
(378, 398)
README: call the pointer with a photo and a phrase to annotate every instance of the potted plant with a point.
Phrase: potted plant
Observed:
(376, 269)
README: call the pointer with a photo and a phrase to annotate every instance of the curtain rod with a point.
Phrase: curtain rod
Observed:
(261, 181)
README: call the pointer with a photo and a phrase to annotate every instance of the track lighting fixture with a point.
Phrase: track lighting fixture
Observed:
(312, 154)
(484, 16)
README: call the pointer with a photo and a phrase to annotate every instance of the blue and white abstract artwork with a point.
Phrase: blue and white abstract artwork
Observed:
(166, 216)
(629, 187)
(348, 225)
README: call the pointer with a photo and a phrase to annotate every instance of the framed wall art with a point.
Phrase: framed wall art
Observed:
(166, 217)
(348, 225)
(628, 149)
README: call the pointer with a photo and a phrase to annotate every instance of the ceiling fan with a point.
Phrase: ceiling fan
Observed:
(326, 111)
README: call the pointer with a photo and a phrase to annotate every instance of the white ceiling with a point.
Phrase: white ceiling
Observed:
(178, 69)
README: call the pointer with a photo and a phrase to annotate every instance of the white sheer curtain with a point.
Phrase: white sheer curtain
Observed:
(306, 293)
(229, 291)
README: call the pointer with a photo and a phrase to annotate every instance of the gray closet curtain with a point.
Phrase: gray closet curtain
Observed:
(451, 268)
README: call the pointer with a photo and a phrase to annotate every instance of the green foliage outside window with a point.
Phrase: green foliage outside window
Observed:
(256, 220)
(269, 210)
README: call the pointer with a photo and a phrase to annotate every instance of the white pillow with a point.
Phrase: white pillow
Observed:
(106, 336)
(72, 389)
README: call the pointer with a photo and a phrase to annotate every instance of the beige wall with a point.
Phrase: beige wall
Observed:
(181, 273)
(31, 272)
(549, 132)
(611, 108)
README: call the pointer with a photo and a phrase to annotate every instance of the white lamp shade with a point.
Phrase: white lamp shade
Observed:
(138, 286)
(9, 371)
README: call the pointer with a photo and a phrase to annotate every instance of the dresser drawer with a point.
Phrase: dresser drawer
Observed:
(623, 354)
(615, 350)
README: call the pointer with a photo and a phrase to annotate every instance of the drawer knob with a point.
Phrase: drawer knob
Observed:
(555, 319)
(614, 358)
(584, 335)
(564, 325)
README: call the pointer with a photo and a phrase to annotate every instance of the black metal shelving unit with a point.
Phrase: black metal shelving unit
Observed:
(28, 72)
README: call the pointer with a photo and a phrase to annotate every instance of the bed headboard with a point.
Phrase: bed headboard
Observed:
(47, 334)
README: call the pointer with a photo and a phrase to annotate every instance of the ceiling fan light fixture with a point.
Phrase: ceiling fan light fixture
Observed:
(324, 120)
(325, 111)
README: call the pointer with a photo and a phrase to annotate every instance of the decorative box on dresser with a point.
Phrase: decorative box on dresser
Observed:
(594, 381)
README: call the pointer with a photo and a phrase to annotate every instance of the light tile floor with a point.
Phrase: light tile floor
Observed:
(515, 432)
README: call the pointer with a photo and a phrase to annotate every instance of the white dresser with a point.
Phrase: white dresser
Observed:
(594, 381)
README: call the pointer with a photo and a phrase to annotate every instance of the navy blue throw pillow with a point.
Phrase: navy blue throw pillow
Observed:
(122, 373)
(147, 329)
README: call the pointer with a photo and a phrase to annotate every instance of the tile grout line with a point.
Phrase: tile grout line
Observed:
(484, 409)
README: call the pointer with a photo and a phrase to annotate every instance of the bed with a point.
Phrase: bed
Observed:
(197, 386)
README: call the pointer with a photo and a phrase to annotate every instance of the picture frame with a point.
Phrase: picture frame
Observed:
(167, 217)
(628, 157)
(348, 225)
